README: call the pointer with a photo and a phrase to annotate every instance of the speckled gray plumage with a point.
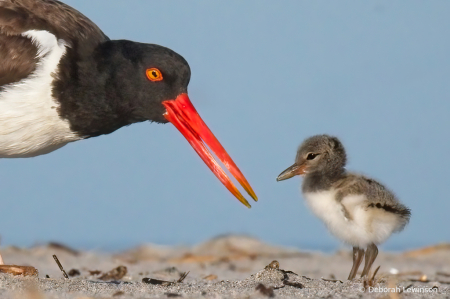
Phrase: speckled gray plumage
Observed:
(377, 195)
(327, 171)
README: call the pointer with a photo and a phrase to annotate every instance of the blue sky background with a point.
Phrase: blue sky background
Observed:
(265, 75)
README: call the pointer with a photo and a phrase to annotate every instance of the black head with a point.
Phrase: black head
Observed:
(320, 154)
(114, 86)
(143, 76)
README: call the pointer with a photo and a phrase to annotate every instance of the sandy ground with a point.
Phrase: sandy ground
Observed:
(224, 267)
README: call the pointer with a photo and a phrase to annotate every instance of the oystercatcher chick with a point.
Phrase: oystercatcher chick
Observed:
(63, 80)
(356, 209)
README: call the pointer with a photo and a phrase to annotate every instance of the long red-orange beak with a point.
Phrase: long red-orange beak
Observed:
(182, 114)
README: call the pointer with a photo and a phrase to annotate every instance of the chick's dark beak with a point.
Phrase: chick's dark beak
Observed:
(182, 114)
(291, 171)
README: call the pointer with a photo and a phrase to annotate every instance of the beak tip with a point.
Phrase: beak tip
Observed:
(242, 200)
(254, 197)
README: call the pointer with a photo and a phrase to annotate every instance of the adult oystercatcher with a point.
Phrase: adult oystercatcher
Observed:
(62, 80)
(356, 209)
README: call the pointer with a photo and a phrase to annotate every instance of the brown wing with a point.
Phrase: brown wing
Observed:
(17, 58)
(18, 54)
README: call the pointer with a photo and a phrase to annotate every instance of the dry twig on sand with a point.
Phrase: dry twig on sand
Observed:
(165, 282)
(60, 266)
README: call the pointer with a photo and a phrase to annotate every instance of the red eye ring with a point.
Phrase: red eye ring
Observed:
(153, 74)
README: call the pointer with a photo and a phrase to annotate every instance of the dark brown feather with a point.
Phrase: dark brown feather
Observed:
(18, 54)
(18, 58)
(18, 16)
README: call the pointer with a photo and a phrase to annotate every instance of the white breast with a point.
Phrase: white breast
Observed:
(29, 122)
(362, 226)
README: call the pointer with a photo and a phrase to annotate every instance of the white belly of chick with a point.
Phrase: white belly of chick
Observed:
(29, 121)
(351, 220)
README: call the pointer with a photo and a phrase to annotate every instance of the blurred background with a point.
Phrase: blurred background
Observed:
(265, 75)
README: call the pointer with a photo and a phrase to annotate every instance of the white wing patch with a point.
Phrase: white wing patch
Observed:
(29, 121)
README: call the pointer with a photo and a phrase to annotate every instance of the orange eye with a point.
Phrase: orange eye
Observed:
(154, 74)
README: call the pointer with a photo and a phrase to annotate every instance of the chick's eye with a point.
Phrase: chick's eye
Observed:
(154, 74)
(311, 156)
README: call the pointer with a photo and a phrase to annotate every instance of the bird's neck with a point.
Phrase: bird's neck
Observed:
(91, 97)
(322, 180)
